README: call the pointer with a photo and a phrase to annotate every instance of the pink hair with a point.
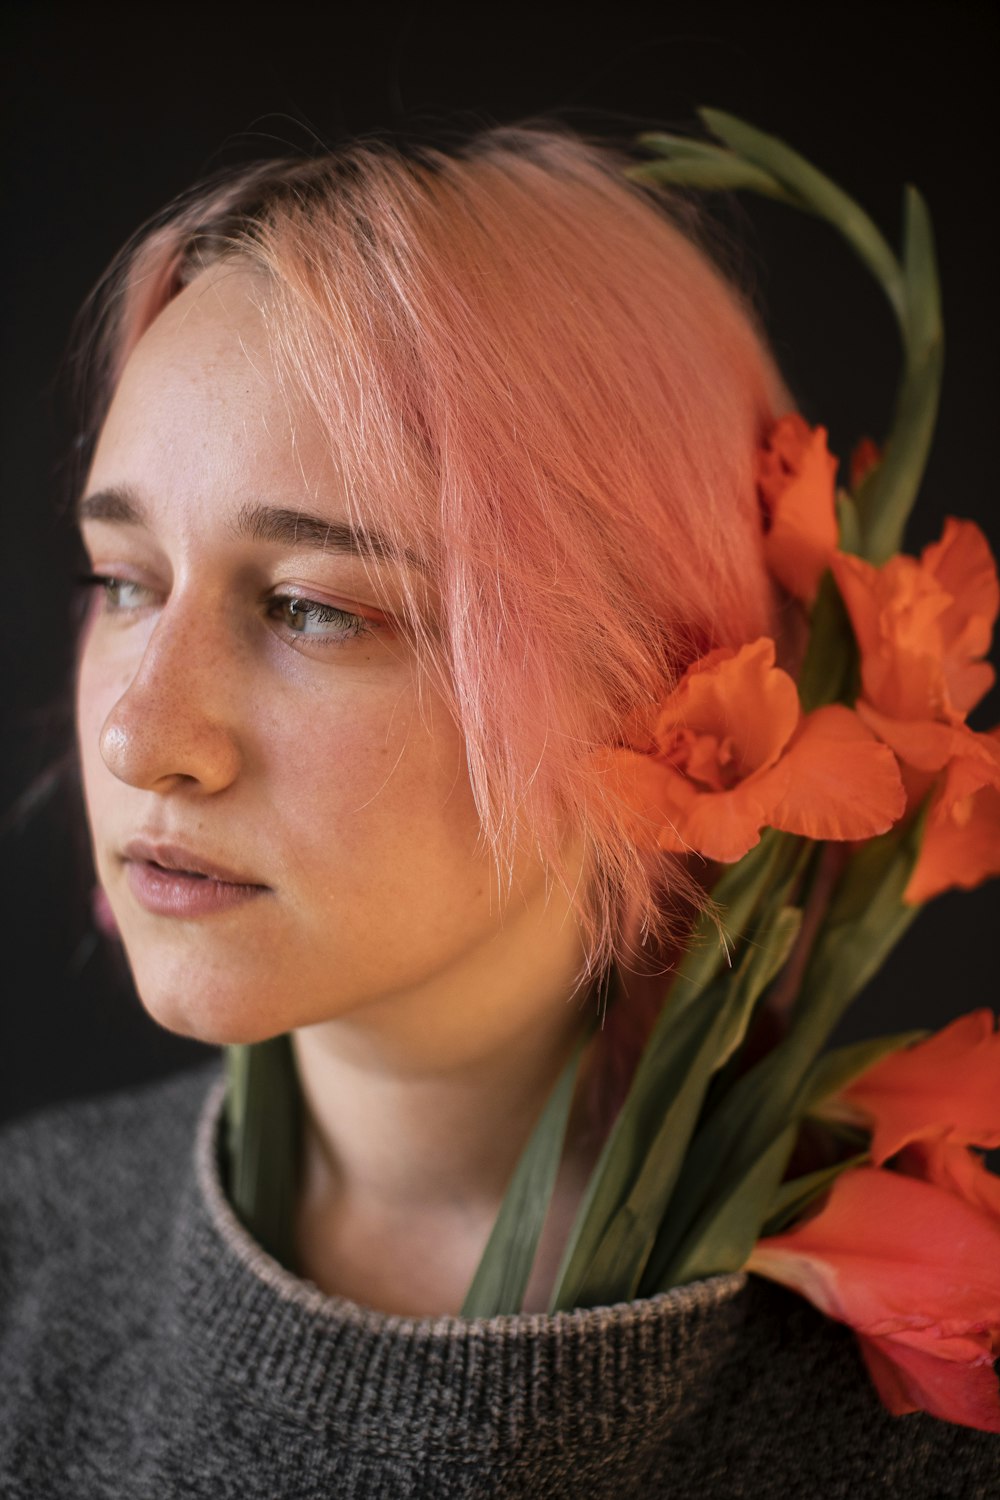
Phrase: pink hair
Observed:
(534, 377)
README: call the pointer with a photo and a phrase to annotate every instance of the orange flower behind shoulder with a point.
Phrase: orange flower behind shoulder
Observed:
(908, 1255)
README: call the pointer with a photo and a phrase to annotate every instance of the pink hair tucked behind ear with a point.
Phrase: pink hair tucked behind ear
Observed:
(533, 377)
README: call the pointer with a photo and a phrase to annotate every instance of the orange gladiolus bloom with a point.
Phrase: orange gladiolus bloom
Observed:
(910, 1257)
(922, 625)
(961, 843)
(731, 752)
(796, 477)
(957, 1169)
(945, 1088)
(914, 1269)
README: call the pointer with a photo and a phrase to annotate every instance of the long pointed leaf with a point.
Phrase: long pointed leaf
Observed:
(724, 172)
(838, 1068)
(866, 919)
(794, 1197)
(818, 192)
(887, 498)
(263, 1135)
(616, 1267)
(729, 1233)
(505, 1267)
(675, 1036)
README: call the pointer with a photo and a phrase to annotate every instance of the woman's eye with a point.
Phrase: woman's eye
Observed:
(307, 618)
(119, 593)
(319, 622)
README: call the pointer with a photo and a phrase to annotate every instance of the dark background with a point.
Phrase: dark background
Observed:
(110, 111)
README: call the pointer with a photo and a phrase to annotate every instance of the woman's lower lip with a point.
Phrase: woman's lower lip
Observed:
(173, 893)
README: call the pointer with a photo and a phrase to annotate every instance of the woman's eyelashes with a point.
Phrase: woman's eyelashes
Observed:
(300, 618)
(307, 617)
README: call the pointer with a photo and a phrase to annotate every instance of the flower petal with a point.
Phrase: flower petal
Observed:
(961, 843)
(946, 1087)
(652, 796)
(896, 612)
(723, 825)
(796, 478)
(887, 1253)
(911, 1379)
(836, 780)
(965, 568)
(739, 696)
(922, 743)
(957, 1169)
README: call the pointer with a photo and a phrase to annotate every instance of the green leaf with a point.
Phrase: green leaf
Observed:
(923, 292)
(728, 1234)
(885, 503)
(767, 165)
(736, 896)
(722, 172)
(606, 1260)
(794, 1197)
(848, 525)
(835, 1070)
(865, 920)
(679, 1052)
(263, 1135)
(831, 651)
(505, 1267)
(816, 191)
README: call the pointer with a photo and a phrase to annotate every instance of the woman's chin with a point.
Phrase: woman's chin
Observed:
(216, 1020)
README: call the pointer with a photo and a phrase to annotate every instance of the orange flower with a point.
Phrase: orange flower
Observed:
(914, 1269)
(961, 842)
(922, 625)
(730, 752)
(945, 1088)
(910, 1257)
(957, 1169)
(795, 482)
(865, 457)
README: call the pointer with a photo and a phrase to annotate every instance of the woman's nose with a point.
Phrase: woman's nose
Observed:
(171, 726)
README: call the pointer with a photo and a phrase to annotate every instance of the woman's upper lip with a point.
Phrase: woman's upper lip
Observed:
(177, 857)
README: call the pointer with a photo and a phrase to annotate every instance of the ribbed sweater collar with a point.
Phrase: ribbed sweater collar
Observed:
(475, 1385)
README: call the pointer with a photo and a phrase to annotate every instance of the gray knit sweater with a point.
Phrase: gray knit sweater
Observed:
(149, 1348)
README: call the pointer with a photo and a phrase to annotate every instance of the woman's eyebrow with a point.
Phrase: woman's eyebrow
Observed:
(260, 523)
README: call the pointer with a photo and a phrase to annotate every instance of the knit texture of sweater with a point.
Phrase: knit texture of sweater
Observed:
(151, 1349)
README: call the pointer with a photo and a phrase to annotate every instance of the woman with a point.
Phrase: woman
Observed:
(416, 477)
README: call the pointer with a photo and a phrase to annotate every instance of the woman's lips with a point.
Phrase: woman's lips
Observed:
(178, 857)
(171, 881)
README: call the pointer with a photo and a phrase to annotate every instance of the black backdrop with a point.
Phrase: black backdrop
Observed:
(110, 111)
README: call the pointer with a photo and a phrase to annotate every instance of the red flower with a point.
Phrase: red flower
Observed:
(923, 626)
(796, 476)
(909, 1255)
(731, 752)
(914, 1269)
(945, 1088)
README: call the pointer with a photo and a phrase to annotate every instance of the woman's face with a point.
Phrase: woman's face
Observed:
(243, 705)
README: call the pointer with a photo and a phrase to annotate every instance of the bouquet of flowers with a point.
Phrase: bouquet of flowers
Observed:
(831, 806)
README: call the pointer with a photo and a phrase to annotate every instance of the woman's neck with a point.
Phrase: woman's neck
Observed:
(416, 1112)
